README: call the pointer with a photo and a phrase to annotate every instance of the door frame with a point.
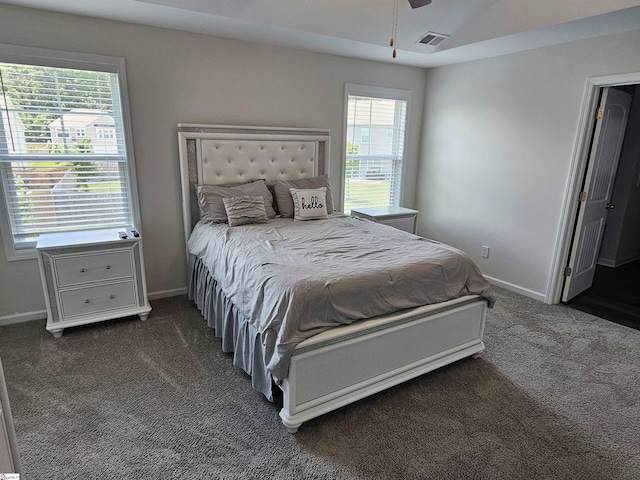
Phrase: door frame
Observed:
(577, 170)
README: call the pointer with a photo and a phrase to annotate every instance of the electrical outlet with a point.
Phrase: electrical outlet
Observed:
(485, 251)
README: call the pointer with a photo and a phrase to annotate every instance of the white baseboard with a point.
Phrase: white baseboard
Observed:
(518, 289)
(23, 317)
(605, 262)
(42, 314)
(168, 293)
(615, 264)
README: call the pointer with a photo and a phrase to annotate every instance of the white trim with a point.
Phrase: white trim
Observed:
(58, 58)
(11, 253)
(128, 144)
(576, 176)
(606, 262)
(82, 61)
(378, 92)
(23, 317)
(517, 288)
(174, 292)
(8, 440)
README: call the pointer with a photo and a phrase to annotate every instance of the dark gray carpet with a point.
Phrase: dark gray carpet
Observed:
(555, 395)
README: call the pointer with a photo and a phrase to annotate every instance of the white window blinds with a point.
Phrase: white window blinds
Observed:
(63, 159)
(375, 138)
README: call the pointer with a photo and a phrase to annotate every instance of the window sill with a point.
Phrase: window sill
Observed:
(13, 255)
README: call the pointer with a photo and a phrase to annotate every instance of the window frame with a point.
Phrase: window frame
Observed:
(82, 61)
(354, 89)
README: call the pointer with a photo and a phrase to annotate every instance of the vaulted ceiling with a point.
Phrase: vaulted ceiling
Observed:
(362, 28)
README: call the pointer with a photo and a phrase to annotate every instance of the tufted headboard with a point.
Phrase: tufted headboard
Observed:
(224, 154)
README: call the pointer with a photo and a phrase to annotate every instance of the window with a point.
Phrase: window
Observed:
(60, 132)
(375, 128)
(105, 133)
(365, 137)
(51, 180)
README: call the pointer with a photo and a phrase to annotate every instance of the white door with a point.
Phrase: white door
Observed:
(594, 200)
(9, 458)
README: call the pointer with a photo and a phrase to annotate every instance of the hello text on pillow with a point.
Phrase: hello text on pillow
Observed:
(283, 194)
(309, 203)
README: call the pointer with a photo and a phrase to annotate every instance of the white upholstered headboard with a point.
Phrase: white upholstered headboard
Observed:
(226, 154)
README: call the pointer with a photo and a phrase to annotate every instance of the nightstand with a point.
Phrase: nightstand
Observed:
(91, 276)
(398, 217)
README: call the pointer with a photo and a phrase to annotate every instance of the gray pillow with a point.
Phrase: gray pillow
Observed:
(212, 206)
(245, 210)
(283, 193)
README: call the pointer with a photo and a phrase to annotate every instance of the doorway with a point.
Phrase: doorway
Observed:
(614, 295)
(614, 292)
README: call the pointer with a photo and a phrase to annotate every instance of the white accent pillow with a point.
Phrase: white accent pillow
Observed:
(309, 203)
(282, 194)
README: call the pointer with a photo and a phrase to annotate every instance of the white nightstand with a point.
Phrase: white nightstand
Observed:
(398, 217)
(91, 276)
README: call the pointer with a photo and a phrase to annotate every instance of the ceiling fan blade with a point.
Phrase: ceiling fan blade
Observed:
(419, 3)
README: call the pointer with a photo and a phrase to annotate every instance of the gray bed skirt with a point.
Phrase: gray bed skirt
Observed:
(238, 335)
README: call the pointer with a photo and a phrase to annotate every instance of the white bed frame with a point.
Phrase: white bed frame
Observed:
(350, 362)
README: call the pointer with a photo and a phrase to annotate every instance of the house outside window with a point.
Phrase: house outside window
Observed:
(58, 171)
(375, 137)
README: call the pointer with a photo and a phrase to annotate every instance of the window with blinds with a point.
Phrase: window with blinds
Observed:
(375, 127)
(63, 161)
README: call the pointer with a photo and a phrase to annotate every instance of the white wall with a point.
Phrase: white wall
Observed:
(498, 140)
(181, 77)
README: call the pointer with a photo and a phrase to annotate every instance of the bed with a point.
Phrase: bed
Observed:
(308, 332)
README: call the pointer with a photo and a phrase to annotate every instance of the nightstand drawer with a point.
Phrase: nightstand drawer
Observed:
(81, 269)
(405, 224)
(96, 299)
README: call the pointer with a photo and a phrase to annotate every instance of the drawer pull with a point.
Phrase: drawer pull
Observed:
(87, 301)
(108, 267)
(111, 297)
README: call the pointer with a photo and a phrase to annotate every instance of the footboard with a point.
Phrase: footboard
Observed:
(348, 363)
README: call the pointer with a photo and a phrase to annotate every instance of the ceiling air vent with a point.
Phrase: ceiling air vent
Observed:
(433, 38)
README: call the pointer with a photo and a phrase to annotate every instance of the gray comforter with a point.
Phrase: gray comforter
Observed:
(291, 279)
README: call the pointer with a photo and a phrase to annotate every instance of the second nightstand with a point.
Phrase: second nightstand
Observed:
(399, 217)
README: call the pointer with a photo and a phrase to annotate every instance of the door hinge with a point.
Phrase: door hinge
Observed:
(567, 272)
(583, 197)
(599, 113)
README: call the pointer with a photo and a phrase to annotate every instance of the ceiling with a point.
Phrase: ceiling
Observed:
(362, 28)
